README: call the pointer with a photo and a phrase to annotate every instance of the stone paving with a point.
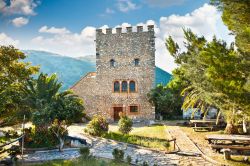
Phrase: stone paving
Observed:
(184, 143)
(186, 146)
(103, 148)
(51, 155)
(188, 156)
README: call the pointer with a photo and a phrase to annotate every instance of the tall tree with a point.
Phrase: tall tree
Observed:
(213, 75)
(52, 109)
(166, 99)
(236, 14)
(13, 75)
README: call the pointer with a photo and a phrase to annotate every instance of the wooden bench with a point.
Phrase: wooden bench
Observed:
(231, 147)
(234, 139)
(201, 128)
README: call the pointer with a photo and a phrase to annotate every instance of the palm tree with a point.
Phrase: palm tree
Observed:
(40, 93)
(52, 109)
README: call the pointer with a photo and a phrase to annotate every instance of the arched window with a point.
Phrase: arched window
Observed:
(132, 86)
(112, 63)
(124, 86)
(116, 86)
(137, 62)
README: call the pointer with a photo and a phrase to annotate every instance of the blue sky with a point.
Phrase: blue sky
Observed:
(67, 27)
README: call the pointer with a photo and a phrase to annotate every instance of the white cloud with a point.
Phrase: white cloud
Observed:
(126, 5)
(109, 11)
(53, 30)
(25, 7)
(164, 3)
(6, 40)
(69, 44)
(2, 5)
(20, 21)
(205, 21)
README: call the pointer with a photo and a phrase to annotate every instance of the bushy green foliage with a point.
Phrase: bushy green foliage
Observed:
(125, 124)
(128, 159)
(98, 126)
(13, 77)
(214, 74)
(84, 151)
(13, 151)
(41, 139)
(235, 15)
(11, 134)
(166, 99)
(145, 163)
(51, 109)
(118, 155)
(48, 103)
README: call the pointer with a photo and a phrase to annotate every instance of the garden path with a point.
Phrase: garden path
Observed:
(188, 148)
(103, 148)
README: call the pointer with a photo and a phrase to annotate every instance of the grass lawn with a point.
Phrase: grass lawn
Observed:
(150, 136)
(199, 139)
(80, 162)
(151, 131)
(3, 140)
(156, 131)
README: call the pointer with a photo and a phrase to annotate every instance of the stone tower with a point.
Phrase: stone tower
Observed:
(125, 64)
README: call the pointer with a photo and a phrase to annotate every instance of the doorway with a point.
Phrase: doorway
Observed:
(117, 110)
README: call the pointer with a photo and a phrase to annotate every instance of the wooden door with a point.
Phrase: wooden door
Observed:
(117, 110)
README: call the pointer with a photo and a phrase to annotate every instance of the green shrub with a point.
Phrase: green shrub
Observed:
(166, 144)
(125, 125)
(84, 151)
(118, 155)
(14, 151)
(41, 139)
(129, 159)
(11, 134)
(145, 163)
(98, 126)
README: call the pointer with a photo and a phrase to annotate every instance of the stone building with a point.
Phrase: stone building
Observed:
(125, 73)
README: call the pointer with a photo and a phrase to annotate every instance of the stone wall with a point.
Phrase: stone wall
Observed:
(123, 48)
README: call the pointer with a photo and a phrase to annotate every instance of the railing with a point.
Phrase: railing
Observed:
(175, 145)
(11, 142)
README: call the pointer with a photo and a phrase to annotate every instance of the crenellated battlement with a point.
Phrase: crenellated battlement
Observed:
(118, 30)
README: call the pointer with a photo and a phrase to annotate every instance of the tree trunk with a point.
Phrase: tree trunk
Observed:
(61, 144)
(231, 128)
(244, 126)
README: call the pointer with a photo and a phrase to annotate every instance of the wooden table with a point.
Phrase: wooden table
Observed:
(203, 124)
(223, 137)
(225, 142)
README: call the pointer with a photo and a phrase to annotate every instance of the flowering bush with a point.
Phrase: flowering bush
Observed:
(98, 126)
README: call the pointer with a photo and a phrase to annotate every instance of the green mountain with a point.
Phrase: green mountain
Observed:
(161, 76)
(70, 70)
